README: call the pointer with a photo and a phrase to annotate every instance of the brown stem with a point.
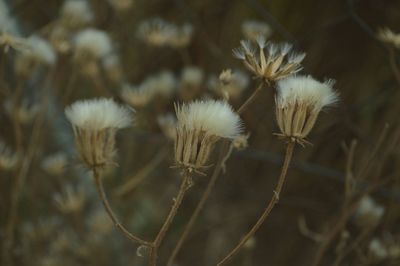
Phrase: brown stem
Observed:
(106, 204)
(186, 183)
(211, 183)
(270, 206)
(249, 100)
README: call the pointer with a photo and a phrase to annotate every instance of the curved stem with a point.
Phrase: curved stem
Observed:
(251, 99)
(270, 206)
(211, 183)
(106, 204)
(186, 183)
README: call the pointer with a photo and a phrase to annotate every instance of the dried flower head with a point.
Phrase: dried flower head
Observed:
(200, 125)
(60, 39)
(95, 123)
(229, 85)
(54, 164)
(388, 36)
(137, 97)
(299, 100)
(241, 141)
(71, 199)
(158, 32)
(181, 36)
(38, 52)
(252, 29)
(167, 123)
(368, 213)
(272, 63)
(8, 158)
(76, 14)
(92, 43)
(161, 84)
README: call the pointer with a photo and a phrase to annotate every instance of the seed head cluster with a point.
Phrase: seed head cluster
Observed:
(95, 123)
(299, 100)
(269, 62)
(200, 125)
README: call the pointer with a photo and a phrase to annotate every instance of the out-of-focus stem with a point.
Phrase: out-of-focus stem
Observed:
(142, 174)
(20, 179)
(274, 200)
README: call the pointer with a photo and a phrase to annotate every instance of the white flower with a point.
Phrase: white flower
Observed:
(92, 42)
(98, 114)
(307, 91)
(212, 117)
(76, 13)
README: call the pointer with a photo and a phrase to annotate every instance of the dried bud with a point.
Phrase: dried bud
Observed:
(95, 123)
(200, 125)
(298, 103)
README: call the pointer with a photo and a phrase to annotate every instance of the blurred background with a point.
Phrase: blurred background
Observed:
(340, 204)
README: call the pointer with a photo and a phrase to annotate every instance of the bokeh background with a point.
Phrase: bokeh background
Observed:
(56, 218)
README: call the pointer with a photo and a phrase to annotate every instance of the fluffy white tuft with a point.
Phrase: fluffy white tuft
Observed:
(214, 117)
(305, 90)
(98, 114)
(77, 10)
(41, 50)
(93, 41)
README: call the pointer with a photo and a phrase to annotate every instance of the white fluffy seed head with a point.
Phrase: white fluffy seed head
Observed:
(77, 12)
(305, 90)
(95, 42)
(41, 50)
(98, 114)
(213, 117)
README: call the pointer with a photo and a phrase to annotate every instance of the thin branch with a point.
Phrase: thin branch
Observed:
(274, 200)
(106, 204)
(211, 183)
(185, 185)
